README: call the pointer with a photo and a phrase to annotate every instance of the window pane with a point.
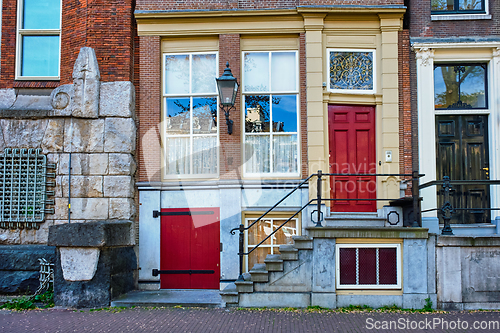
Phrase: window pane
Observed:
(347, 265)
(460, 87)
(351, 70)
(259, 231)
(257, 153)
(367, 266)
(257, 113)
(285, 113)
(256, 76)
(388, 266)
(258, 256)
(40, 56)
(283, 71)
(441, 5)
(178, 156)
(205, 155)
(285, 153)
(204, 115)
(41, 14)
(470, 4)
(178, 116)
(204, 73)
(177, 74)
(284, 235)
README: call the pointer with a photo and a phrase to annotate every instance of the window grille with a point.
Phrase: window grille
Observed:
(23, 188)
(368, 266)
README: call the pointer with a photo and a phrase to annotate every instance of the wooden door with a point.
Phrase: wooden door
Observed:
(462, 154)
(190, 248)
(352, 151)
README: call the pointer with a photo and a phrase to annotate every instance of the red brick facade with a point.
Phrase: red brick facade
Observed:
(253, 4)
(106, 26)
(422, 26)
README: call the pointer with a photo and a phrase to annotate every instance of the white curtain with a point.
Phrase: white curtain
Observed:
(257, 154)
(178, 155)
(205, 155)
(285, 153)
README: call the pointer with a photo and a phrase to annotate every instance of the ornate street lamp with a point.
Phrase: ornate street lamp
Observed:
(228, 87)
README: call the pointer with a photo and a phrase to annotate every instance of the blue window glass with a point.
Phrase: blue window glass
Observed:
(40, 56)
(284, 113)
(41, 14)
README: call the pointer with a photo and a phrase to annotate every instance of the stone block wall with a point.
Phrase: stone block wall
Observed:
(93, 124)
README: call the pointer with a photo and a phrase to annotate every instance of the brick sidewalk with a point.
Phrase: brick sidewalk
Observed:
(223, 320)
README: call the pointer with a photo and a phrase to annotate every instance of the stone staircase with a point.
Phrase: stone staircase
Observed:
(283, 280)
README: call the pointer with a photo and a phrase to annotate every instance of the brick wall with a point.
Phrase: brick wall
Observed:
(422, 26)
(405, 139)
(107, 26)
(148, 112)
(251, 4)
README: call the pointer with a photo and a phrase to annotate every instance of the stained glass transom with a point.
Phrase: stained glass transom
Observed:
(351, 70)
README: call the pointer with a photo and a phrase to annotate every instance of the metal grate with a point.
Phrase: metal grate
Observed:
(23, 188)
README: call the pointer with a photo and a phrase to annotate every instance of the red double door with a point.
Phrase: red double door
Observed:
(352, 151)
(190, 248)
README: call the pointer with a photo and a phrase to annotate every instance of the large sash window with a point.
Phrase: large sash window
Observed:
(190, 114)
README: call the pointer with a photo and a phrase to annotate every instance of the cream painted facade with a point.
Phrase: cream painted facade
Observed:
(351, 29)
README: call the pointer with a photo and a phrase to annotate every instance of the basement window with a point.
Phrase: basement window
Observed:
(368, 266)
(23, 188)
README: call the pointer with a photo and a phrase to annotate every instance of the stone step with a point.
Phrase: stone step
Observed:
(289, 252)
(259, 273)
(303, 242)
(244, 286)
(274, 263)
(230, 295)
(275, 300)
(354, 220)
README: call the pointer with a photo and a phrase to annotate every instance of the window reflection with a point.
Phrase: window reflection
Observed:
(460, 86)
(257, 113)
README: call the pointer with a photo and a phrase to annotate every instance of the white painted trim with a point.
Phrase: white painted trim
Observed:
(33, 32)
(353, 91)
(450, 52)
(368, 286)
(458, 17)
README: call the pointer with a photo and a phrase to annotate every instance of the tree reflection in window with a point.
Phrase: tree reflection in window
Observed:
(460, 86)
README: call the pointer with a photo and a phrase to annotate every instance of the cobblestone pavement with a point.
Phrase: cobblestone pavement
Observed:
(224, 320)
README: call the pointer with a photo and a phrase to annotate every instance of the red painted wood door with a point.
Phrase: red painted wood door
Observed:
(190, 248)
(352, 150)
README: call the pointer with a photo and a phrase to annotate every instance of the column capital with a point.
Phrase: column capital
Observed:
(314, 21)
(425, 54)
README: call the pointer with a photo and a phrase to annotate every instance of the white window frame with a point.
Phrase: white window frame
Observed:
(273, 246)
(34, 32)
(353, 91)
(466, 16)
(368, 286)
(271, 134)
(189, 95)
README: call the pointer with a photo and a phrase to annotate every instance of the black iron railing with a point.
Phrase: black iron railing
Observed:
(447, 209)
(415, 197)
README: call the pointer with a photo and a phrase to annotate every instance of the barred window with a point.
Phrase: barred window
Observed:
(368, 266)
(23, 188)
(352, 71)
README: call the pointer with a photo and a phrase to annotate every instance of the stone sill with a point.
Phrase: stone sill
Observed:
(471, 241)
(460, 17)
(364, 232)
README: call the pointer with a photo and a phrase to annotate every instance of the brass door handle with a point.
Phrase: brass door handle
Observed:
(486, 169)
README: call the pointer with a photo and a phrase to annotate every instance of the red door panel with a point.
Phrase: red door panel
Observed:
(190, 242)
(352, 150)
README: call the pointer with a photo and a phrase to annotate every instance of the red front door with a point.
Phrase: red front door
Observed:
(352, 150)
(190, 248)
